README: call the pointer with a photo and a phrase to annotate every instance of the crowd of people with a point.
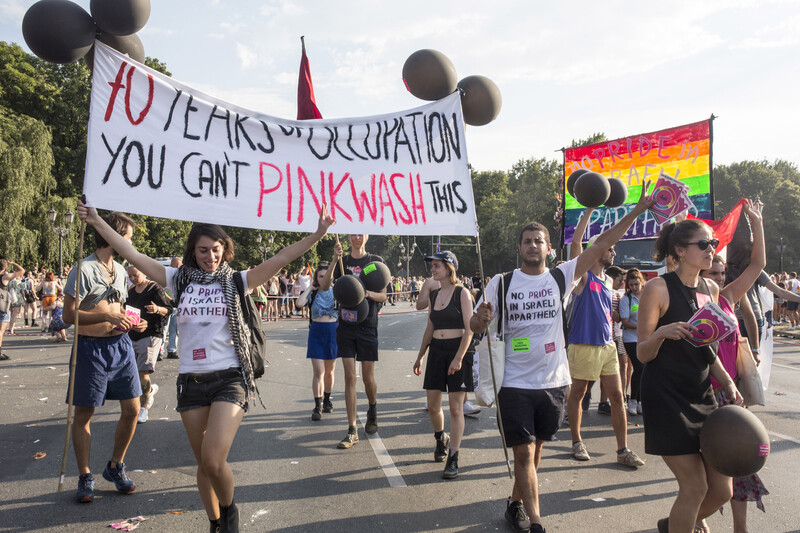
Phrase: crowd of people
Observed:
(565, 328)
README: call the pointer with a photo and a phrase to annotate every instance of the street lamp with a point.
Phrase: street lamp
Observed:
(406, 258)
(61, 232)
(781, 249)
(268, 247)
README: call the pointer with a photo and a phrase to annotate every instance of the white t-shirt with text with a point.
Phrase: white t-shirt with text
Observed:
(204, 338)
(536, 356)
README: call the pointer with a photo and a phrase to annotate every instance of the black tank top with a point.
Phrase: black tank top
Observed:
(449, 317)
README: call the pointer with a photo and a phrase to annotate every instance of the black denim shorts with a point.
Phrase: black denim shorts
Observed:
(201, 390)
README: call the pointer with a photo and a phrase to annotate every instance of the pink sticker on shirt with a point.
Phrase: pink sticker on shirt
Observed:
(596, 287)
(550, 347)
(763, 449)
(199, 354)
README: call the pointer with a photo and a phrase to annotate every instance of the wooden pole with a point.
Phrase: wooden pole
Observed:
(73, 358)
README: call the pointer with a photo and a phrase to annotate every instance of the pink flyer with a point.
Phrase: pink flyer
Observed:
(713, 324)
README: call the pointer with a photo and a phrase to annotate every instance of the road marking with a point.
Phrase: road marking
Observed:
(785, 366)
(384, 459)
(784, 437)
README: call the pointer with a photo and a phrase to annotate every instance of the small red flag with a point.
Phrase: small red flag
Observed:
(725, 228)
(306, 104)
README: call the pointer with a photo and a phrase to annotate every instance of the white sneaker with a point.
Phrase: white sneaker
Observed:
(470, 409)
(142, 415)
(632, 407)
(150, 399)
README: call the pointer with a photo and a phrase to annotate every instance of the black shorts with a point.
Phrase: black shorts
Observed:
(530, 414)
(440, 355)
(201, 390)
(792, 306)
(357, 341)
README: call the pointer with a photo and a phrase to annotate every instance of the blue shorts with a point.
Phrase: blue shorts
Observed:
(321, 340)
(5, 317)
(105, 369)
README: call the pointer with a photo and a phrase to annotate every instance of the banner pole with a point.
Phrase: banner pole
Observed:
(491, 362)
(72, 360)
(341, 265)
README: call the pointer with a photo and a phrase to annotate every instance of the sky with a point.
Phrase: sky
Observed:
(566, 70)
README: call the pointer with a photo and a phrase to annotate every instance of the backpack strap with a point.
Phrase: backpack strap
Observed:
(558, 275)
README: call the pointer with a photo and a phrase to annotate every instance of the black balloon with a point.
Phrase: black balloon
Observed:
(480, 100)
(619, 193)
(375, 276)
(356, 314)
(58, 31)
(120, 17)
(573, 178)
(734, 441)
(130, 45)
(348, 291)
(429, 75)
(592, 189)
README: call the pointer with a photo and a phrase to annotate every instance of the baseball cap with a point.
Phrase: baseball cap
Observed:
(446, 255)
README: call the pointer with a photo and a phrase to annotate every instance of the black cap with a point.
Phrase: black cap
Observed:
(446, 255)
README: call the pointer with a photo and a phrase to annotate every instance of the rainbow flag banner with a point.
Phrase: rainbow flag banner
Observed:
(683, 152)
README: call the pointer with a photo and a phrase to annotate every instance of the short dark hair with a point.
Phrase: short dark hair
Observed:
(119, 222)
(534, 226)
(614, 271)
(213, 232)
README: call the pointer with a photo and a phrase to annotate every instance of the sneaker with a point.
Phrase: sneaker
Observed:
(470, 409)
(327, 406)
(172, 355)
(579, 452)
(85, 492)
(604, 408)
(517, 517)
(143, 415)
(151, 397)
(34, 324)
(119, 477)
(4, 357)
(440, 454)
(537, 528)
(451, 468)
(628, 458)
(371, 427)
(316, 414)
(348, 442)
(632, 407)
(587, 398)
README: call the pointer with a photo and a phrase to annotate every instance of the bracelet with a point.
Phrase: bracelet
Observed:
(756, 350)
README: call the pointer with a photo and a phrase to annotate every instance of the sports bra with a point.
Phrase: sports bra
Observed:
(449, 317)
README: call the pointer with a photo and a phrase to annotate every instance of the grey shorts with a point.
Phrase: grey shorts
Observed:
(147, 350)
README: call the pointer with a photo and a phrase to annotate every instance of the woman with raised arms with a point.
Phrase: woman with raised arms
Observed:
(215, 377)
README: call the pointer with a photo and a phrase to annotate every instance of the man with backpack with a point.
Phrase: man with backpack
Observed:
(529, 309)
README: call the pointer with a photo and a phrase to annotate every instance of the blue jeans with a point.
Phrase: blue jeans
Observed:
(172, 327)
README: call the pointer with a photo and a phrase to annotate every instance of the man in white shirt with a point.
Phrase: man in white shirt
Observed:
(531, 399)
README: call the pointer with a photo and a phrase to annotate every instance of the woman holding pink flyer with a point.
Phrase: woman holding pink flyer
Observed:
(677, 394)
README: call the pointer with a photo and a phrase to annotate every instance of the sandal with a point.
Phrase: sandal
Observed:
(663, 525)
(701, 527)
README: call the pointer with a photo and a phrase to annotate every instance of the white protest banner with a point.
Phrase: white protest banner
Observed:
(161, 148)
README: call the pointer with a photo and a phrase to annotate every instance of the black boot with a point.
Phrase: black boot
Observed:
(451, 468)
(229, 519)
(214, 526)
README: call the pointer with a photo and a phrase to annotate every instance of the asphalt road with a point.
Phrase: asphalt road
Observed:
(291, 478)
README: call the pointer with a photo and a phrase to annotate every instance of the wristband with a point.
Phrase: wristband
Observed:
(756, 350)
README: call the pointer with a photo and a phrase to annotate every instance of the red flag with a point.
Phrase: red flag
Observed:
(724, 229)
(306, 105)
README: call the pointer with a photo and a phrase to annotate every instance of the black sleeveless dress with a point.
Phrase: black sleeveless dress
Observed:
(676, 386)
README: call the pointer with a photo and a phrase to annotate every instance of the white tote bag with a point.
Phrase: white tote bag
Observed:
(491, 355)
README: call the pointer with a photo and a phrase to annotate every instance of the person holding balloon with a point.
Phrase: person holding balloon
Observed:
(749, 488)
(676, 390)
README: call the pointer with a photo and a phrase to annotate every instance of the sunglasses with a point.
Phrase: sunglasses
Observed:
(703, 244)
